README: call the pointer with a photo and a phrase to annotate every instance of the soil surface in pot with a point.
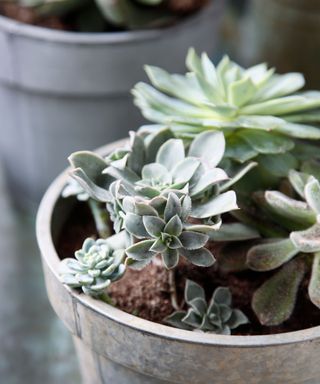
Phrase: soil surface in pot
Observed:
(146, 293)
(89, 19)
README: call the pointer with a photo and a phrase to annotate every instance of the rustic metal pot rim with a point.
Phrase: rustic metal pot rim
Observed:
(51, 258)
(126, 37)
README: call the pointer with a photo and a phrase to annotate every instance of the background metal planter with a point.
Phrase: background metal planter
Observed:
(63, 91)
(118, 348)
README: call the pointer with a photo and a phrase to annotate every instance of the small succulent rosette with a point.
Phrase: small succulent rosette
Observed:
(95, 267)
(217, 316)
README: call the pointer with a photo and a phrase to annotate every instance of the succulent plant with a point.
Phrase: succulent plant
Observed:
(73, 188)
(156, 166)
(95, 266)
(260, 111)
(301, 218)
(96, 15)
(152, 176)
(217, 316)
(165, 231)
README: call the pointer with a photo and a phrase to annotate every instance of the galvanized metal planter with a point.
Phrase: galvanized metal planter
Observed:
(118, 348)
(62, 91)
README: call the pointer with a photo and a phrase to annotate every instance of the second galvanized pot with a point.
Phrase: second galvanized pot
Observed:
(119, 348)
(65, 91)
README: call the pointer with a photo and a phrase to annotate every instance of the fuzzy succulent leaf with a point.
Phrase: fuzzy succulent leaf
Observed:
(274, 301)
(314, 284)
(307, 241)
(217, 316)
(271, 255)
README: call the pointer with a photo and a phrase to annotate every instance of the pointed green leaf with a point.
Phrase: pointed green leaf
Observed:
(298, 180)
(312, 194)
(236, 319)
(134, 225)
(140, 251)
(241, 91)
(193, 291)
(199, 305)
(222, 295)
(183, 171)
(156, 171)
(174, 226)
(173, 207)
(192, 319)
(225, 202)
(170, 153)
(193, 240)
(175, 320)
(170, 258)
(208, 146)
(207, 180)
(201, 257)
(265, 143)
(153, 225)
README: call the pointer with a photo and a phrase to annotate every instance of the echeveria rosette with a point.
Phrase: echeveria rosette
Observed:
(301, 218)
(260, 112)
(168, 233)
(96, 265)
(217, 316)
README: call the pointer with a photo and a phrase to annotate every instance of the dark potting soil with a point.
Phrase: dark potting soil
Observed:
(146, 293)
(28, 16)
(75, 20)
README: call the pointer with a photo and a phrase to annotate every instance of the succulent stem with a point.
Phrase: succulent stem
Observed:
(173, 289)
(101, 218)
(105, 298)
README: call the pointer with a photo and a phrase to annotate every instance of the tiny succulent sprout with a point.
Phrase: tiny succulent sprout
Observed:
(217, 316)
(95, 266)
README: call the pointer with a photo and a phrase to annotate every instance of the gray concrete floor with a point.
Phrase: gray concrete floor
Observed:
(34, 345)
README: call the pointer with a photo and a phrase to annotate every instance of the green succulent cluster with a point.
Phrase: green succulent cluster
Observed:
(217, 316)
(168, 193)
(164, 230)
(94, 267)
(261, 113)
(96, 15)
(155, 187)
